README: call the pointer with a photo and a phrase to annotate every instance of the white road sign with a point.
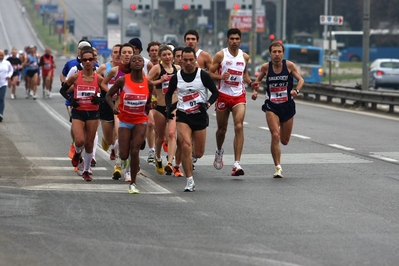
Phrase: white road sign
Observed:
(331, 20)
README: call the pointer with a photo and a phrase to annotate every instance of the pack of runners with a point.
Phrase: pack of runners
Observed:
(161, 103)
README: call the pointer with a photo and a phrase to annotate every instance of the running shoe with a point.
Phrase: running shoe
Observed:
(133, 189)
(237, 170)
(80, 167)
(117, 173)
(151, 156)
(218, 162)
(71, 151)
(86, 176)
(190, 187)
(168, 169)
(34, 96)
(165, 146)
(12, 96)
(76, 158)
(278, 173)
(93, 162)
(159, 167)
(128, 177)
(177, 172)
(124, 164)
(195, 159)
(104, 145)
(112, 156)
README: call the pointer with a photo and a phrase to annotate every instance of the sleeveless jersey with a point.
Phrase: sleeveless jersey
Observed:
(164, 85)
(48, 63)
(84, 92)
(133, 99)
(235, 65)
(33, 62)
(145, 68)
(279, 86)
(190, 94)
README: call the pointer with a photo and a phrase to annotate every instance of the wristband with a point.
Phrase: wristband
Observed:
(250, 84)
(297, 91)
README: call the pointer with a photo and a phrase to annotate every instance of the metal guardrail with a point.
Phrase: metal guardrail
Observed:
(349, 93)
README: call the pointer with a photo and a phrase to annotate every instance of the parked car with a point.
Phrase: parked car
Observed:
(132, 29)
(384, 73)
(112, 18)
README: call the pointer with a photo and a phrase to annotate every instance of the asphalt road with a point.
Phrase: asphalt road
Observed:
(336, 205)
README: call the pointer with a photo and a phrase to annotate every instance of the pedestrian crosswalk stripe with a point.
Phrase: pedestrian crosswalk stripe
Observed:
(288, 158)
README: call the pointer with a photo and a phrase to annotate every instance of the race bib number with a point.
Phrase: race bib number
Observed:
(134, 103)
(85, 92)
(191, 103)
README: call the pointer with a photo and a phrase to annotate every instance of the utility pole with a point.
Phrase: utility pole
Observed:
(253, 39)
(330, 46)
(366, 42)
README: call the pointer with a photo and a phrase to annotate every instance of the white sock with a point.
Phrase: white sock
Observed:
(190, 179)
(88, 157)
(278, 166)
(116, 145)
(95, 145)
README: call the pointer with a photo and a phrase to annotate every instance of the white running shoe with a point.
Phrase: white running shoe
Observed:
(128, 177)
(190, 187)
(151, 156)
(278, 173)
(34, 96)
(81, 167)
(133, 189)
(12, 96)
(218, 162)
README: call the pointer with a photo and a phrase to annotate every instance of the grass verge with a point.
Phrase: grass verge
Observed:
(49, 40)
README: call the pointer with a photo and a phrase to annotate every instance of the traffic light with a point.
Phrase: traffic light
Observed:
(185, 6)
(236, 6)
(133, 6)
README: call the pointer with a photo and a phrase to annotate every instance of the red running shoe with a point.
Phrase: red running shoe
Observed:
(112, 156)
(165, 146)
(86, 176)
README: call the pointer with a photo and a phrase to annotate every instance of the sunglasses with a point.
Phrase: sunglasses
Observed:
(87, 59)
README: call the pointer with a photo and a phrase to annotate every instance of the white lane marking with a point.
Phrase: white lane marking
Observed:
(3, 27)
(385, 158)
(341, 147)
(149, 183)
(49, 158)
(66, 168)
(300, 136)
(288, 158)
(322, 105)
(265, 128)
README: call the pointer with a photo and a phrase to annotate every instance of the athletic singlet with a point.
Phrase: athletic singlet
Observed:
(235, 65)
(84, 92)
(133, 99)
(279, 86)
(47, 63)
(164, 85)
(15, 63)
(33, 62)
(145, 68)
(190, 94)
